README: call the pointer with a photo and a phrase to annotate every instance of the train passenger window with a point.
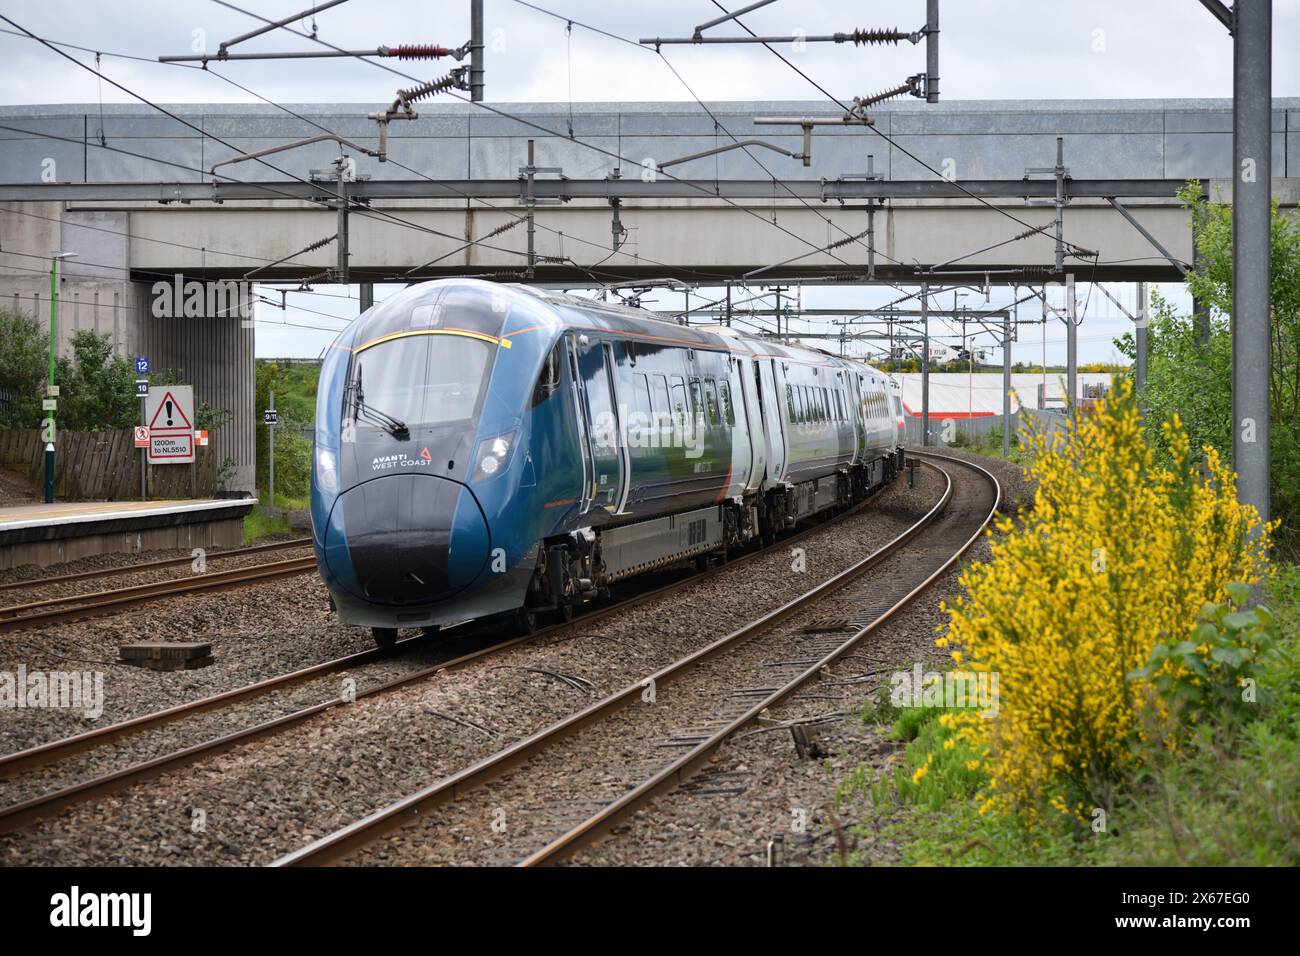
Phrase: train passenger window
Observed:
(839, 406)
(663, 412)
(641, 394)
(711, 400)
(825, 401)
(724, 396)
(789, 402)
(697, 401)
(680, 410)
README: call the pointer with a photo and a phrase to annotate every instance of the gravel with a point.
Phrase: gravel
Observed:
(759, 790)
(266, 798)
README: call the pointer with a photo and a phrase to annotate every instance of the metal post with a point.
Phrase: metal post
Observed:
(1043, 391)
(270, 461)
(49, 391)
(1140, 341)
(367, 296)
(778, 314)
(343, 227)
(531, 203)
(932, 51)
(1006, 377)
(1200, 308)
(476, 51)
(1071, 345)
(144, 455)
(925, 364)
(1060, 204)
(1252, 71)
(728, 305)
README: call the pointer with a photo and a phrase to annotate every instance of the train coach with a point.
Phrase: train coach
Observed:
(485, 449)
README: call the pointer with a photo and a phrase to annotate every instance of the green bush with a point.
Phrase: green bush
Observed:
(24, 363)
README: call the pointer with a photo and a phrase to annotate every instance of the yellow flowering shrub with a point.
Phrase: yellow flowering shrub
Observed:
(1117, 555)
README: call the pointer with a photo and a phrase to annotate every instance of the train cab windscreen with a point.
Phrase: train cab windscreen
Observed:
(417, 380)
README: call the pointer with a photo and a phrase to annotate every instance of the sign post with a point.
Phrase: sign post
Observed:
(142, 433)
(270, 417)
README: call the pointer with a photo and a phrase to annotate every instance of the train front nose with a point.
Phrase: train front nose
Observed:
(409, 539)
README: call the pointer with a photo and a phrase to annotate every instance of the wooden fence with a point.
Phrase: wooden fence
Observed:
(105, 466)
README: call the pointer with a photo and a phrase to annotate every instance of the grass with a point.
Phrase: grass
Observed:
(1227, 798)
(258, 524)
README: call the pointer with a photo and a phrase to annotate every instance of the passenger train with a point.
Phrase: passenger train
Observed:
(487, 449)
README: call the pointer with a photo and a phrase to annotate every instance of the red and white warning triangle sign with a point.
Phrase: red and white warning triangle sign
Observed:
(169, 410)
(170, 414)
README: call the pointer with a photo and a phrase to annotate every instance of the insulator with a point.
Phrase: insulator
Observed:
(844, 242)
(883, 95)
(866, 37)
(504, 227)
(428, 89)
(419, 51)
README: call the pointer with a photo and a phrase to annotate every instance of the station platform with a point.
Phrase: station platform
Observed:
(42, 534)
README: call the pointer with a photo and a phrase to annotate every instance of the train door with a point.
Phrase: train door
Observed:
(608, 477)
(776, 448)
(582, 417)
(750, 418)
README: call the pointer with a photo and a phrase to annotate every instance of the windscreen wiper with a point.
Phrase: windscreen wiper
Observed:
(394, 426)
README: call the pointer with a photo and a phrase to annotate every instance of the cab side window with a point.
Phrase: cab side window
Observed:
(548, 380)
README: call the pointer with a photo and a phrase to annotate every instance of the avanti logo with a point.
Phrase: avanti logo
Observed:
(402, 460)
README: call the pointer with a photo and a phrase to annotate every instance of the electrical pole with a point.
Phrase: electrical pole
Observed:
(1140, 344)
(1006, 373)
(1252, 70)
(51, 402)
(476, 51)
(932, 51)
(1071, 346)
(925, 364)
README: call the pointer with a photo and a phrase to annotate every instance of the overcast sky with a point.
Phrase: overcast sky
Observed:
(1012, 49)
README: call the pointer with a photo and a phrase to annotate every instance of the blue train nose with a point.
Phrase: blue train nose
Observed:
(411, 539)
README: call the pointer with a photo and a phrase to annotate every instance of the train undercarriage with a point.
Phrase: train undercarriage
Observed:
(581, 566)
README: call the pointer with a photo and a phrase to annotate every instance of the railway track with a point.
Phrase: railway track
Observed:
(20, 814)
(74, 607)
(154, 565)
(566, 785)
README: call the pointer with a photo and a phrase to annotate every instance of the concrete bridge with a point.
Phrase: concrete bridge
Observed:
(927, 191)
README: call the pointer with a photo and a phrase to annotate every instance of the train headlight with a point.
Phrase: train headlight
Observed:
(492, 455)
(327, 470)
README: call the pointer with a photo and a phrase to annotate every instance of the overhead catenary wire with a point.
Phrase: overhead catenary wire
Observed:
(336, 196)
(538, 126)
(718, 125)
(885, 136)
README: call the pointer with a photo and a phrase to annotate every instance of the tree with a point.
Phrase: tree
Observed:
(96, 387)
(1195, 381)
(24, 363)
